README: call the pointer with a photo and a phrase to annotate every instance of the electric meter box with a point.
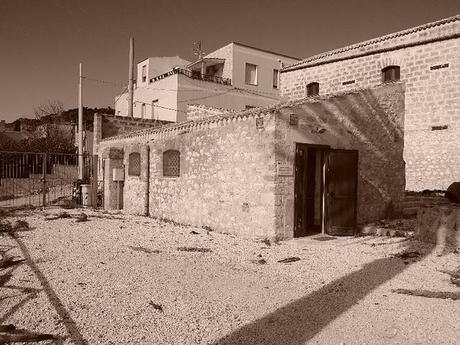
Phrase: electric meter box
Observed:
(118, 174)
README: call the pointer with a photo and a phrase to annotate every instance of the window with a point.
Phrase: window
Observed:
(313, 89)
(134, 166)
(171, 163)
(276, 76)
(144, 73)
(390, 73)
(154, 109)
(143, 110)
(251, 74)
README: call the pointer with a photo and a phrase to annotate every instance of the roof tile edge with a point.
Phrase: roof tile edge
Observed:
(316, 58)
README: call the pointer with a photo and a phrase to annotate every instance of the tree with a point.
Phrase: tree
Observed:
(51, 107)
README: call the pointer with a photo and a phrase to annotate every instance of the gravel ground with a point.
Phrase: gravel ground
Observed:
(122, 279)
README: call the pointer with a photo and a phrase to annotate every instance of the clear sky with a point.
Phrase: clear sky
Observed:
(43, 41)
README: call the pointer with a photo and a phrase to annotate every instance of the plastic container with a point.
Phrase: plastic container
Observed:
(86, 195)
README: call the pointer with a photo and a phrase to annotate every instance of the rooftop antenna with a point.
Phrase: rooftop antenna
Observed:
(197, 50)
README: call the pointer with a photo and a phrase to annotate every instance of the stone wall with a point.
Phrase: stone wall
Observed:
(439, 225)
(201, 111)
(106, 126)
(226, 177)
(429, 60)
(369, 121)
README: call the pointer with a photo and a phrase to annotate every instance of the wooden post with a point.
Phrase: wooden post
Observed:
(44, 180)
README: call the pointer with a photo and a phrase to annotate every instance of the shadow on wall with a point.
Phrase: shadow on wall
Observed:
(370, 121)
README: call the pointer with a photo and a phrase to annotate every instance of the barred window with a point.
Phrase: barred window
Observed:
(313, 89)
(171, 163)
(390, 73)
(134, 167)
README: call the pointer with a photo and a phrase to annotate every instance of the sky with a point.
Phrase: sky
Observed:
(42, 42)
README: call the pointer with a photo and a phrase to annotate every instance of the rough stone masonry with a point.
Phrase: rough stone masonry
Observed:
(227, 178)
(429, 60)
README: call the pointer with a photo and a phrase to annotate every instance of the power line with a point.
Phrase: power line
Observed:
(160, 106)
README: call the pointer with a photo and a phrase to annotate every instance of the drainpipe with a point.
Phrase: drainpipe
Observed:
(147, 182)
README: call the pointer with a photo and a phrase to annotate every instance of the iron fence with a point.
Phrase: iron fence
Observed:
(40, 179)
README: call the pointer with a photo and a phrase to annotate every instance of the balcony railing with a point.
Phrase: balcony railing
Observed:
(194, 75)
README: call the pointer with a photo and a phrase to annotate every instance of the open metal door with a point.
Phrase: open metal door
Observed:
(341, 196)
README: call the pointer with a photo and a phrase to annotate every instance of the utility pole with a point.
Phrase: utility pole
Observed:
(80, 125)
(131, 77)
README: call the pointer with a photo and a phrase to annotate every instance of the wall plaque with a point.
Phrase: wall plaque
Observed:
(293, 120)
(259, 123)
(284, 169)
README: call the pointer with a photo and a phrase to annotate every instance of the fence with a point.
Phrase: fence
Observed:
(40, 179)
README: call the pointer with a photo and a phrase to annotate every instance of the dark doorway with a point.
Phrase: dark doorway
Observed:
(341, 191)
(309, 189)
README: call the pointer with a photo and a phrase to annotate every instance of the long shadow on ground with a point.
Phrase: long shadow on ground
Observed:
(299, 321)
(69, 323)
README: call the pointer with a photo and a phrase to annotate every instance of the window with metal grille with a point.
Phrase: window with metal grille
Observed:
(390, 73)
(313, 89)
(171, 163)
(134, 166)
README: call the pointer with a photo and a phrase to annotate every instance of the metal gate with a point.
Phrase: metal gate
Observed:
(40, 179)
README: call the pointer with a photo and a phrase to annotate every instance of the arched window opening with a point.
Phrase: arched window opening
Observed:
(390, 73)
(171, 163)
(313, 89)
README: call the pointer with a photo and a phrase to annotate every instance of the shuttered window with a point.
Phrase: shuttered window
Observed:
(171, 163)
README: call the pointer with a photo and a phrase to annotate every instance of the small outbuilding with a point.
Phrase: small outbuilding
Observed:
(319, 164)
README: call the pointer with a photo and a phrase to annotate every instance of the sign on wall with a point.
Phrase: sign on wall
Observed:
(259, 123)
(284, 169)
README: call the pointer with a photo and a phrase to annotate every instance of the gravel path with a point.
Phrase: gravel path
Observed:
(122, 279)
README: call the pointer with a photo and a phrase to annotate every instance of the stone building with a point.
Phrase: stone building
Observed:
(427, 59)
(307, 166)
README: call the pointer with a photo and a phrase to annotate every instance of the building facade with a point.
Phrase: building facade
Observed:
(234, 77)
(427, 59)
(298, 168)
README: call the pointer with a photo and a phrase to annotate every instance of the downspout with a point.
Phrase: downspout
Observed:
(147, 182)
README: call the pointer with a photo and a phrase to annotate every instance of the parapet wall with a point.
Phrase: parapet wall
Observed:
(106, 126)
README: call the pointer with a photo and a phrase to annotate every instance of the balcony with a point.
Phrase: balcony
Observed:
(194, 75)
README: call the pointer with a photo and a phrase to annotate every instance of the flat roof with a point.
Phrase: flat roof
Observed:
(265, 50)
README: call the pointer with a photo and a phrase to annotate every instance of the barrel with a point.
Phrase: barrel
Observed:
(453, 193)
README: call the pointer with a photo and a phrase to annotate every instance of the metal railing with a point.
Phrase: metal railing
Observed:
(194, 75)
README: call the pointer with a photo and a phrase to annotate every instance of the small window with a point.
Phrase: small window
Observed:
(313, 89)
(143, 110)
(155, 109)
(276, 76)
(390, 73)
(144, 73)
(134, 166)
(171, 163)
(251, 74)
